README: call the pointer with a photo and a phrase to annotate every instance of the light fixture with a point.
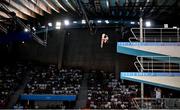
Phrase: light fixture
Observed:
(22, 42)
(148, 24)
(174, 27)
(107, 21)
(43, 27)
(75, 22)
(132, 22)
(83, 21)
(99, 21)
(58, 25)
(66, 22)
(34, 29)
(107, 3)
(50, 24)
(26, 30)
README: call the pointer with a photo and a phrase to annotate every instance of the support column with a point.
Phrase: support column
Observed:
(142, 94)
(141, 25)
(141, 60)
(141, 29)
(60, 49)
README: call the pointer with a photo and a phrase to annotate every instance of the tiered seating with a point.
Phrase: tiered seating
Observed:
(54, 81)
(10, 80)
(105, 92)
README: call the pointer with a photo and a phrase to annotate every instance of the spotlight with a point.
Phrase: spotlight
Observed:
(75, 22)
(22, 42)
(132, 22)
(26, 30)
(99, 21)
(50, 24)
(34, 29)
(83, 21)
(66, 22)
(107, 21)
(174, 27)
(43, 27)
(148, 24)
(58, 25)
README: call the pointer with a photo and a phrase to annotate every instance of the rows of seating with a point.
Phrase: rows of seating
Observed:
(105, 92)
(53, 81)
(10, 79)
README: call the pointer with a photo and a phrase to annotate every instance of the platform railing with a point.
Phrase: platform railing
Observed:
(157, 64)
(157, 103)
(156, 34)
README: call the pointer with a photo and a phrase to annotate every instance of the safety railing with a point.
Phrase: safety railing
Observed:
(157, 103)
(157, 64)
(156, 35)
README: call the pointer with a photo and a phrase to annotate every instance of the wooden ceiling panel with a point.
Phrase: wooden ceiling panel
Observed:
(18, 13)
(41, 5)
(32, 7)
(22, 9)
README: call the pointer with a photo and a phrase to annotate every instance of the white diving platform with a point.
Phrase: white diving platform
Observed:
(161, 79)
(149, 48)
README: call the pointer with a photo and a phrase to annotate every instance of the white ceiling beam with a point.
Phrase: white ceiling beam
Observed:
(4, 14)
(49, 4)
(59, 4)
(18, 13)
(41, 5)
(32, 7)
(21, 8)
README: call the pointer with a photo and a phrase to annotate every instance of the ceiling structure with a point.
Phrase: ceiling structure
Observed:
(162, 10)
(35, 12)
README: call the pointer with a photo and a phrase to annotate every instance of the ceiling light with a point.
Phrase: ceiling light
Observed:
(66, 22)
(26, 30)
(75, 22)
(83, 21)
(174, 27)
(148, 24)
(132, 22)
(58, 25)
(34, 29)
(43, 27)
(107, 21)
(50, 24)
(107, 3)
(99, 21)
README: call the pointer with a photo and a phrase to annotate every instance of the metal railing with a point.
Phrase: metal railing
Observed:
(157, 64)
(157, 103)
(156, 35)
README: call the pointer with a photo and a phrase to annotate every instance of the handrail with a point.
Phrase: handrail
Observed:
(135, 103)
(135, 64)
(139, 62)
(157, 103)
(149, 63)
(157, 34)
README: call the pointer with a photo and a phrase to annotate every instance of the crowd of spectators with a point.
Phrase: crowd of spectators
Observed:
(10, 79)
(53, 81)
(105, 92)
